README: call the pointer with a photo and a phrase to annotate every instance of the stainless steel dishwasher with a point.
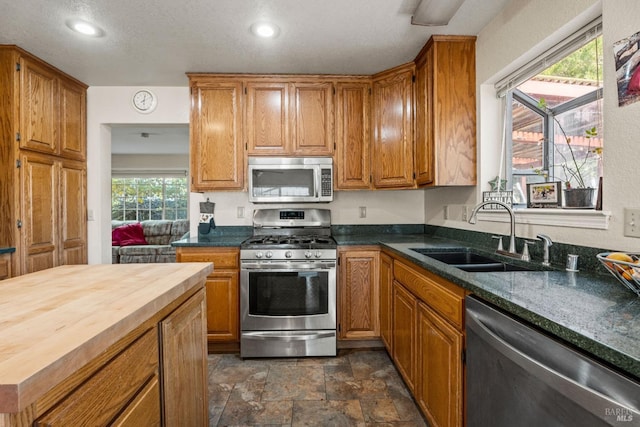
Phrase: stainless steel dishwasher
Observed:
(518, 376)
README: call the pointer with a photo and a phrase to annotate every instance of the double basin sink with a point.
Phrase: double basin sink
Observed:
(468, 260)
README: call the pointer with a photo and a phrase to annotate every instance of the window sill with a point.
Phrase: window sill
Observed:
(578, 218)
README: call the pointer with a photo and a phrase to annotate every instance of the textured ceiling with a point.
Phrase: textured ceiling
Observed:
(155, 42)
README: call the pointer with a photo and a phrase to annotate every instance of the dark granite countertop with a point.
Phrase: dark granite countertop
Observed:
(7, 250)
(591, 311)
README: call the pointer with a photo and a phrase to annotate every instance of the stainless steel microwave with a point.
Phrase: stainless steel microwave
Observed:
(290, 179)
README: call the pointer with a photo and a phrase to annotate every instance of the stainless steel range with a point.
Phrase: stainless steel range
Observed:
(288, 285)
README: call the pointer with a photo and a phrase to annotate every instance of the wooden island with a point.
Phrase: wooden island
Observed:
(120, 345)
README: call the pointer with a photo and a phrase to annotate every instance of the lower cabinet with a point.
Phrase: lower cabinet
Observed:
(358, 293)
(222, 286)
(386, 301)
(404, 334)
(427, 338)
(439, 369)
(5, 266)
(156, 375)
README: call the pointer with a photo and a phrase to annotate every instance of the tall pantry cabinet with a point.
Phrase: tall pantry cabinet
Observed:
(43, 171)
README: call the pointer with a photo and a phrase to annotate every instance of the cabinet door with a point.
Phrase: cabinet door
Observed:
(392, 163)
(223, 307)
(353, 106)
(386, 301)
(439, 373)
(38, 107)
(424, 117)
(267, 118)
(454, 110)
(312, 118)
(73, 107)
(184, 364)
(359, 294)
(217, 156)
(73, 215)
(404, 333)
(5, 266)
(40, 201)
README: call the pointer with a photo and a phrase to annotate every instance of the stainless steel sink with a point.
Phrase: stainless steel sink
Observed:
(468, 260)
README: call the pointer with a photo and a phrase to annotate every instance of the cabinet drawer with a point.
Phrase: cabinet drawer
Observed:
(107, 393)
(221, 258)
(144, 410)
(444, 297)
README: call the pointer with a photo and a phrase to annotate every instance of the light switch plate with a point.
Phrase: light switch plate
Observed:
(631, 222)
(240, 212)
(363, 211)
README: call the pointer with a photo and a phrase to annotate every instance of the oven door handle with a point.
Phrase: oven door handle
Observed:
(292, 266)
(279, 336)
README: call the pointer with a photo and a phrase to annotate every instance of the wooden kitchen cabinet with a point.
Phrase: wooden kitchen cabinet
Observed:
(445, 116)
(222, 288)
(353, 135)
(405, 307)
(289, 117)
(312, 118)
(216, 144)
(44, 112)
(430, 310)
(439, 369)
(119, 345)
(5, 266)
(184, 364)
(392, 159)
(358, 293)
(267, 118)
(386, 301)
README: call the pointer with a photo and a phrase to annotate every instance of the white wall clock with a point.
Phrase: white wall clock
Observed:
(144, 101)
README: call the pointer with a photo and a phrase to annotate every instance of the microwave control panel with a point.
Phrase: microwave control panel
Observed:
(326, 182)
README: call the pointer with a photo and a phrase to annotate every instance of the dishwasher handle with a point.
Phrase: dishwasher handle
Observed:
(511, 343)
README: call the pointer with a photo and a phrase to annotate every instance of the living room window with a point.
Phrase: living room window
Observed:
(149, 197)
(550, 103)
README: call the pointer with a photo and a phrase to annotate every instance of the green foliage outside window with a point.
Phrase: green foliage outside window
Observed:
(149, 198)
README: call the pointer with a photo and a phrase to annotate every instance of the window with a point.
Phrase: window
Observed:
(550, 107)
(143, 198)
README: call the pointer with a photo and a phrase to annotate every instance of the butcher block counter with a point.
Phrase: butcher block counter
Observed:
(104, 345)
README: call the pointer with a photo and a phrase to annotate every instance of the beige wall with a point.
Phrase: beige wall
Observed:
(524, 29)
(150, 162)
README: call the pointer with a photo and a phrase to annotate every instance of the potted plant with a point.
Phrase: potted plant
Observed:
(577, 193)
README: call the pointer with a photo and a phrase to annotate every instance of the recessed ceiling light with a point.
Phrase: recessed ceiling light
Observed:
(265, 29)
(84, 27)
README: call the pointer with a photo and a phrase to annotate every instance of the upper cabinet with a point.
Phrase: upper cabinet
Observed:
(446, 112)
(410, 126)
(290, 117)
(312, 118)
(392, 161)
(353, 130)
(267, 118)
(73, 116)
(217, 155)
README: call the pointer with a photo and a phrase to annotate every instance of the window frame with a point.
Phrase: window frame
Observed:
(147, 176)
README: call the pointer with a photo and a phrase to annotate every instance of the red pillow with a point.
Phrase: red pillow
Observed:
(127, 235)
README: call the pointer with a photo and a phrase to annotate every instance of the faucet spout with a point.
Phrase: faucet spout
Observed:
(512, 237)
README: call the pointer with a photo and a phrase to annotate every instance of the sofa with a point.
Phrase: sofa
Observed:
(151, 242)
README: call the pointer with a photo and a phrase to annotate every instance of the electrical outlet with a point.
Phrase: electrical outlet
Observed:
(240, 212)
(446, 211)
(465, 213)
(90, 216)
(363, 211)
(631, 222)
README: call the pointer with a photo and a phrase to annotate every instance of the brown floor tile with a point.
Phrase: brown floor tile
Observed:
(256, 413)
(295, 383)
(332, 413)
(357, 388)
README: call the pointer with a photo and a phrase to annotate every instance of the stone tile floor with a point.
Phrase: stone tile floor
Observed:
(357, 388)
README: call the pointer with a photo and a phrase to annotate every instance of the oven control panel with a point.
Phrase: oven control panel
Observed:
(288, 254)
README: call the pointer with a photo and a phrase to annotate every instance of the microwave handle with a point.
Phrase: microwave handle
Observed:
(318, 182)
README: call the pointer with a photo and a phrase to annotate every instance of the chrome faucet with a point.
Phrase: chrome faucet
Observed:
(512, 238)
(546, 241)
